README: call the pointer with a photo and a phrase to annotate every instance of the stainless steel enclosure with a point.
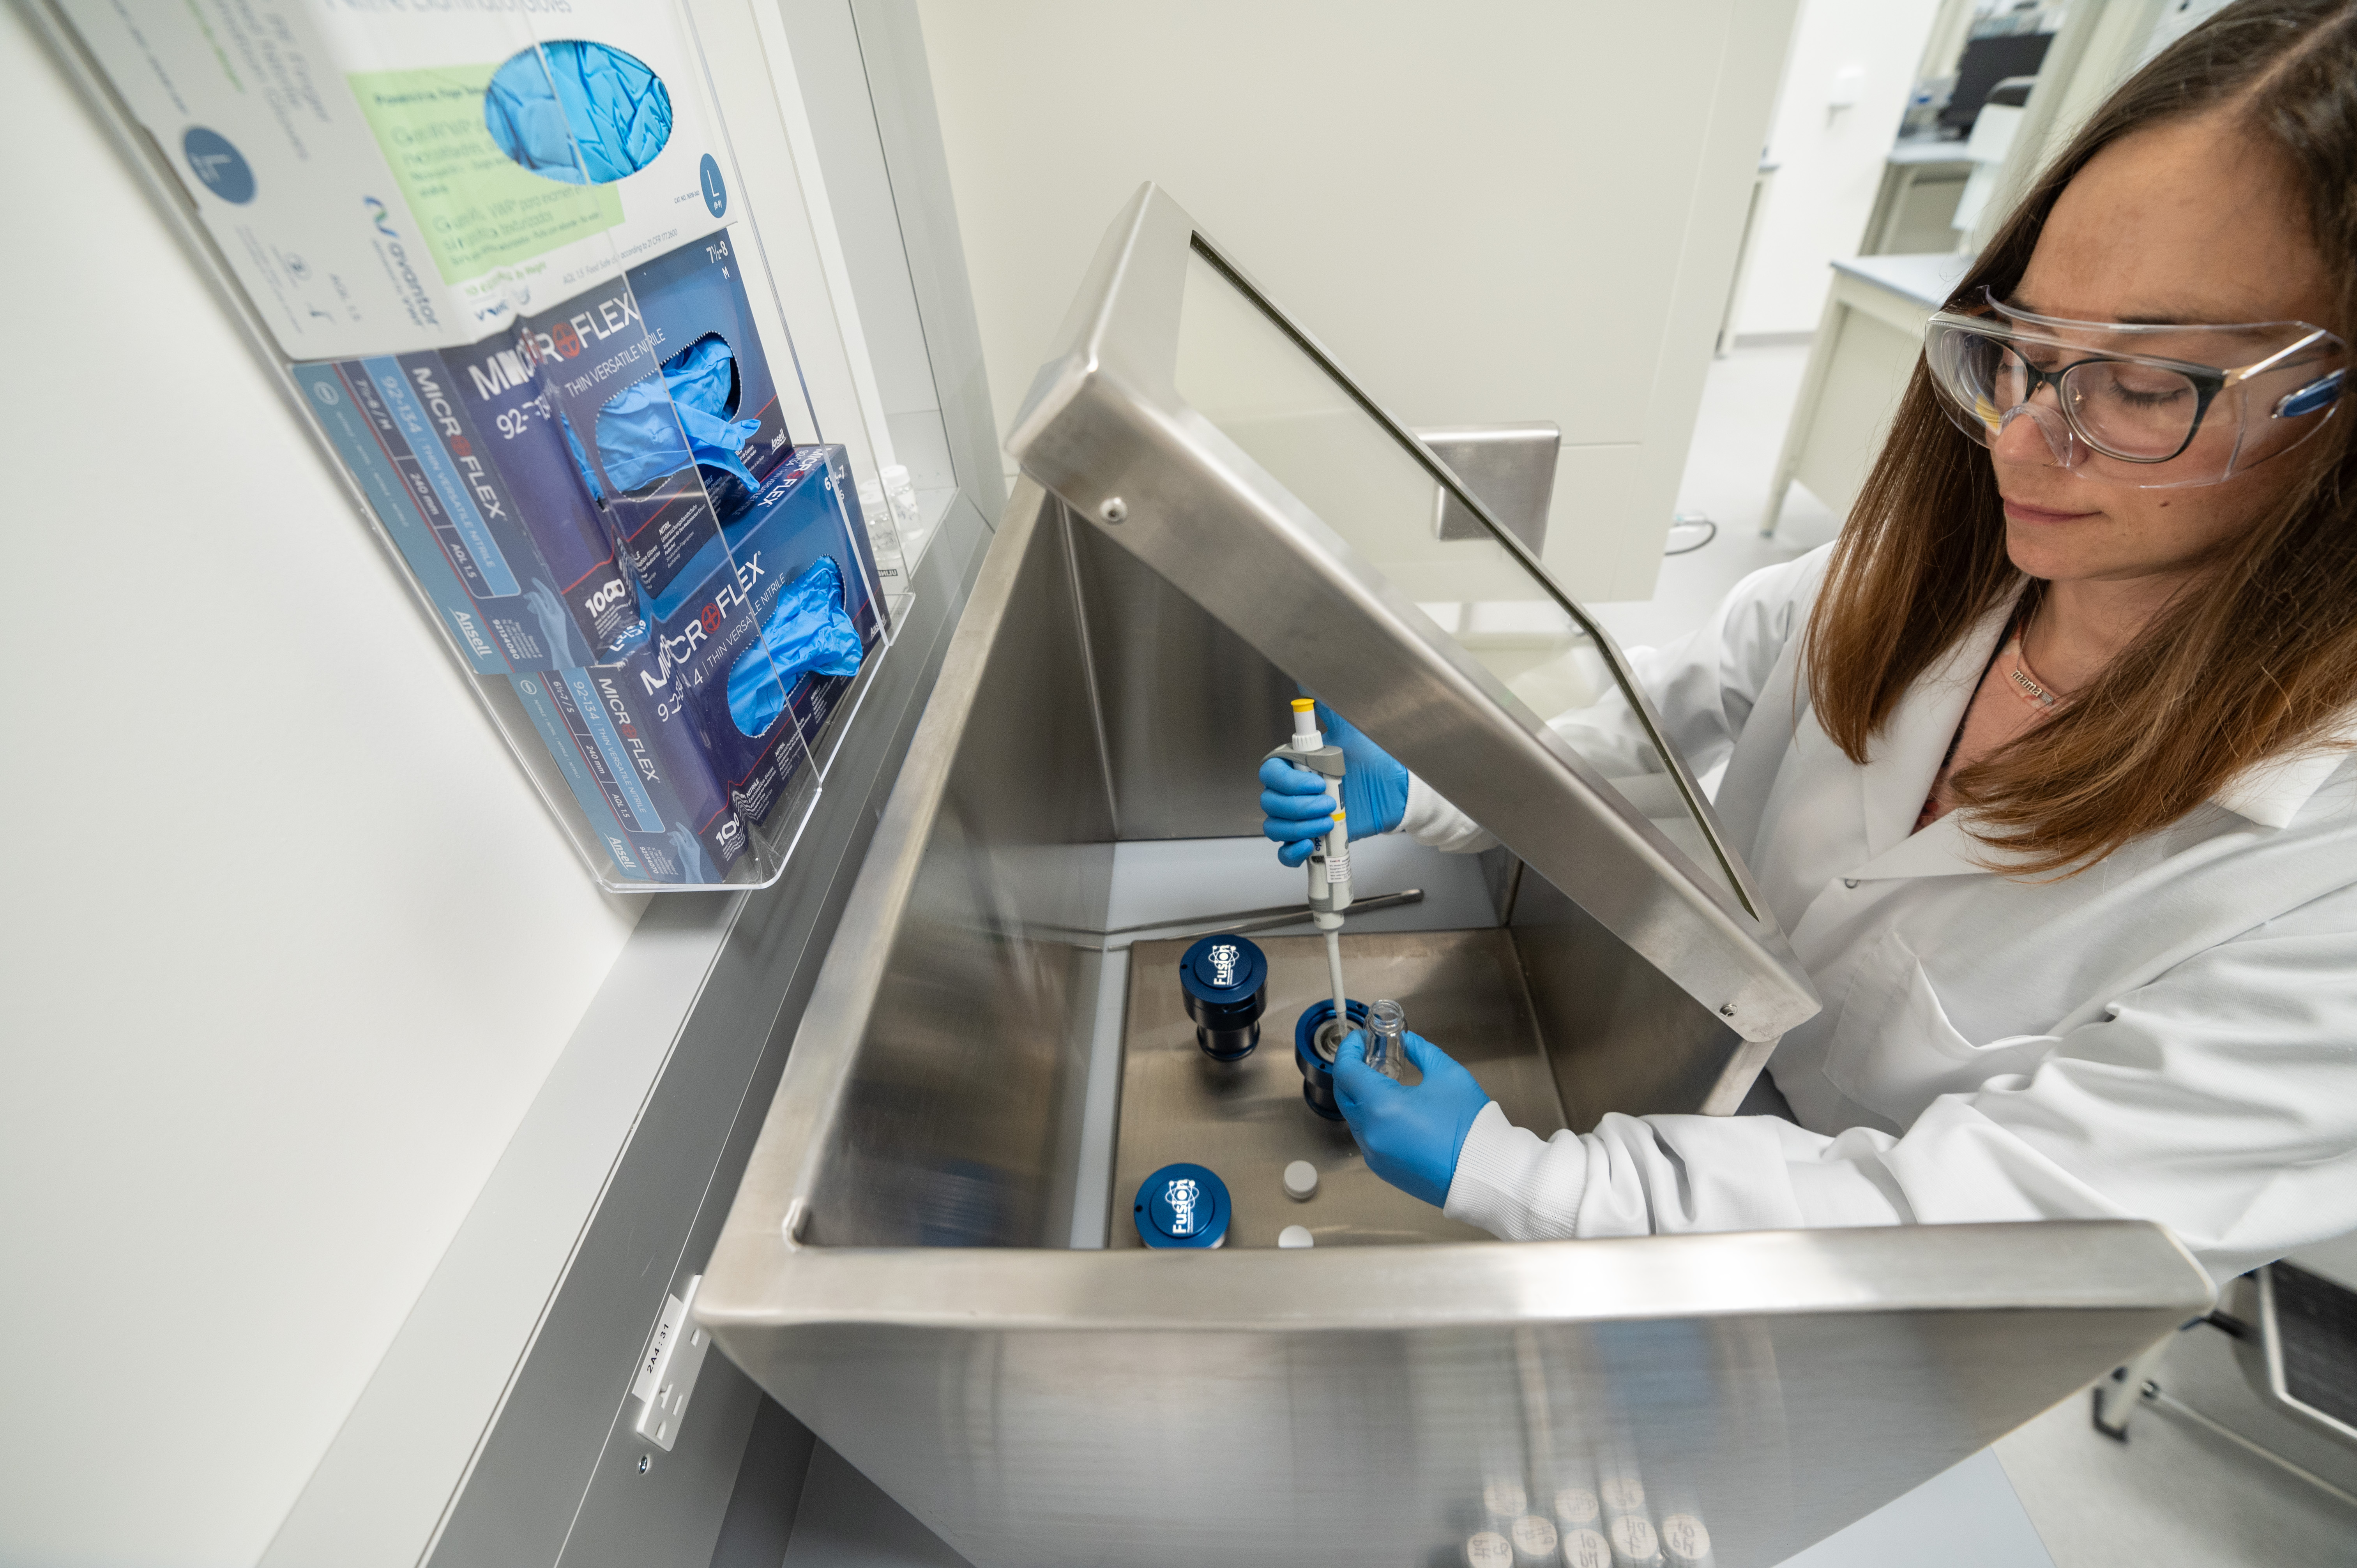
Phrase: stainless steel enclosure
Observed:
(1213, 512)
(893, 1269)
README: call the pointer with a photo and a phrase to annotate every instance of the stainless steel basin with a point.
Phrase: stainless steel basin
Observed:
(897, 1267)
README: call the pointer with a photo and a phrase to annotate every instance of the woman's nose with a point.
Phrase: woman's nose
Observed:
(2033, 433)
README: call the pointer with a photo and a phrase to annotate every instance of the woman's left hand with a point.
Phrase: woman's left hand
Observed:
(1411, 1134)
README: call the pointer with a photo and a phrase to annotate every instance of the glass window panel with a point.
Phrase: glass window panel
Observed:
(1240, 370)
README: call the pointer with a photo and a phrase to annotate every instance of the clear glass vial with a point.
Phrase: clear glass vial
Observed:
(1387, 1039)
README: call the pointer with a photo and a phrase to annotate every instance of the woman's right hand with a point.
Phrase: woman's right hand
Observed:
(1298, 805)
(1295, 808)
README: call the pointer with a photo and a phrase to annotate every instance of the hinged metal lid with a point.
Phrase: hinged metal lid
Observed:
(1191, 421)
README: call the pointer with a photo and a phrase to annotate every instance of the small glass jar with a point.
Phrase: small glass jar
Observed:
(1387, 1039)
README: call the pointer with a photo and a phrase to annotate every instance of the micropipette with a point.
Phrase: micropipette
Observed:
(1329, 863)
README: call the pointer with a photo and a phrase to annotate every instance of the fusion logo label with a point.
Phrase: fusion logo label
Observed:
(1183, 1195)
(1223, 963)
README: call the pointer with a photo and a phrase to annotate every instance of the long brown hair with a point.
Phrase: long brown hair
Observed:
(2257, 662)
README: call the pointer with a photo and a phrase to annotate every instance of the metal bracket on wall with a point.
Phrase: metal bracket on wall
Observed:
(1510, 466)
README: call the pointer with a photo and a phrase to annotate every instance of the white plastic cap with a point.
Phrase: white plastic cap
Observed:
(1305, 725)
(1635, 1538)
(1687, 1541)
(1533, 1536)
(1295, 1236)
(1586, 1548)
(1300, 1180)
(1488, 1548)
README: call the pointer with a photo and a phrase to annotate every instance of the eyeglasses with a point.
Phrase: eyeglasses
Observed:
(2104, 394)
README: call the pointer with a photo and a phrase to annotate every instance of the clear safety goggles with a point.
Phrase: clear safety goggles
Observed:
(2155, 406)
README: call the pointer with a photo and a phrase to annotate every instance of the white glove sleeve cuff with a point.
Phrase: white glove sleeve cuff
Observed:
(1429, 820)
(1515, 1187)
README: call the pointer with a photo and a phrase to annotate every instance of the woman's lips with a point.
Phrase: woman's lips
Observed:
(2022, 512)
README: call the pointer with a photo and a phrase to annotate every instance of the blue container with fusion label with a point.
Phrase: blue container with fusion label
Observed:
(1226, 981)
(1182, 1205)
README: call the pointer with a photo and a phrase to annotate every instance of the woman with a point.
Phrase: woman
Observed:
(2044, 765)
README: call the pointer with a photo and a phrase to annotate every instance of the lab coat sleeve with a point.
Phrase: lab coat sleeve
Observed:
(2220, 1100)
(1703, 686)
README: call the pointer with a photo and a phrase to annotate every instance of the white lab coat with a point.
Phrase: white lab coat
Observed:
(2170, 1034)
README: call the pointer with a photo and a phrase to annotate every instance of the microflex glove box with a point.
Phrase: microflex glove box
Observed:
(658, 387)
(387, 175)
(628, 793)
(674, 753)
(489, 466)
(518, 571)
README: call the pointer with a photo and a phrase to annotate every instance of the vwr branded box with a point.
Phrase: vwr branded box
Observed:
(391, 175)
(706, 729)
(515, 530)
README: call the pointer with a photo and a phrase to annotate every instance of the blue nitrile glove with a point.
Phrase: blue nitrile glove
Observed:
(571, 95)
(1295, 808)
(1298, 808)
(1411, 1135)
(581, 459)
(1374, 784)
(639, 430)
(807, 633)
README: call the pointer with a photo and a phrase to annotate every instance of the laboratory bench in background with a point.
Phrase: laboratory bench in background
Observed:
(1865, 348)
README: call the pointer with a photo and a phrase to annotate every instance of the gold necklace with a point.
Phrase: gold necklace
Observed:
(2031, 686)
(2019, 674)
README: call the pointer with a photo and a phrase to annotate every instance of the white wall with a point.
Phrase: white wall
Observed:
(292, 943)
(1517, 210)
(1829, 163)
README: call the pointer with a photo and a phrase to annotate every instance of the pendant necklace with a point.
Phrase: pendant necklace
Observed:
(2019, 674)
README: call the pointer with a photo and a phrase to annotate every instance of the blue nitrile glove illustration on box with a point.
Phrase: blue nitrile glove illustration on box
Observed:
(1411, 1133)
(1298, 809)
(571, 107)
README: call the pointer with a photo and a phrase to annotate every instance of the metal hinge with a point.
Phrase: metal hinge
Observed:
(667, 1368)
